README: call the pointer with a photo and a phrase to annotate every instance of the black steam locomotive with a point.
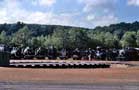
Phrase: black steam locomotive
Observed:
(52, 53)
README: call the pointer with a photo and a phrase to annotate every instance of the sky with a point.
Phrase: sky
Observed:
(80, 13)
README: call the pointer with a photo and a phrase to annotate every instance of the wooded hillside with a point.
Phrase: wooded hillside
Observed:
(113, 36)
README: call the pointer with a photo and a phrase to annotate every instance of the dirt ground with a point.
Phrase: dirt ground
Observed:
(70, 76)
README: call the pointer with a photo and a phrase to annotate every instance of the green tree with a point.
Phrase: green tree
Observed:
(111, 41)
(21, 37)
(37, 41)
(51, 40)
(99, 38)
(93, 40)
(78, 38)
(137, 40)
(61, 37)
(4, 39)
(48, 41)
(129, 39)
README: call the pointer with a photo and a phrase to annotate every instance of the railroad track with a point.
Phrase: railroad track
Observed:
(57, 64)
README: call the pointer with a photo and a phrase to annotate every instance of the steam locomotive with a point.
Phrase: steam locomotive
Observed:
(52, 53)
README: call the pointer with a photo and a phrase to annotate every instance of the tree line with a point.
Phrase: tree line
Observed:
(113, 36)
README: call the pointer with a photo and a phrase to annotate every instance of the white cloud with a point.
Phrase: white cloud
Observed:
(105, 20)
(93, 4)
(102, 20)
(99, 12)
(3, 17)
(11, 12)
(46, 3)
(90, 17)
(50, 18)
(9, 9)
(133, 2)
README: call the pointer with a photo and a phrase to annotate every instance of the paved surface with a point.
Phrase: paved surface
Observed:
(44, 86)
(126, 79)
